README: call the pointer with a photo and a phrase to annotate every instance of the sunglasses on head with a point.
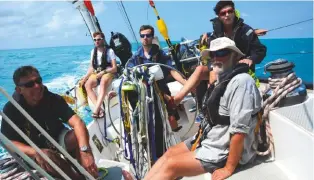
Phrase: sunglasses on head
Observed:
(98, 39)
(224, 13)
(220, 53)
(147, 35)
(31, 83)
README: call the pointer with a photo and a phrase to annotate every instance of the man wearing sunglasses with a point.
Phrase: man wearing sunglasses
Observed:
(227, 24)
(50, 111)
(151, 53)
(102, 69)
(226, 134)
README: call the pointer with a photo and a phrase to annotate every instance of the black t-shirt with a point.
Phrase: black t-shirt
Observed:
(51, 112)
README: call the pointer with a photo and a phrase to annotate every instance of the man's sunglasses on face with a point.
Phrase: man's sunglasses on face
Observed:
(220, 53)
(224, 13)
(146, 35)
(31, 83)
(99, 39)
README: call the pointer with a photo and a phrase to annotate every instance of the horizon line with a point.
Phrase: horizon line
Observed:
(134, 43)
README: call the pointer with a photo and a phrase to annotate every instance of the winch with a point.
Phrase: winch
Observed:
(282, 75)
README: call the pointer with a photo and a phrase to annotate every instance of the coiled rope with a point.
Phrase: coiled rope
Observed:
(280, 87)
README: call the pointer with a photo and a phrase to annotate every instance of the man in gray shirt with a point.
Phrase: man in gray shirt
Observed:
(226, 135)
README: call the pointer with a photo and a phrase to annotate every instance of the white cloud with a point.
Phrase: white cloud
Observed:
(99, 7)
(64, 18)
(46, 20)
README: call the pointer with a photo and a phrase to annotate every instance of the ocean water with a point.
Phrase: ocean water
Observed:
(61, 67)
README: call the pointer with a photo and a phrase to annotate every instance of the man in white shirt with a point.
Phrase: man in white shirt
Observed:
(101, 71)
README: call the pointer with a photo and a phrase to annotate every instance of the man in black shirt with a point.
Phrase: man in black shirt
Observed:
(50, 111)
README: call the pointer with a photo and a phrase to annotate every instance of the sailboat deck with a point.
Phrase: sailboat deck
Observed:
(260, 170)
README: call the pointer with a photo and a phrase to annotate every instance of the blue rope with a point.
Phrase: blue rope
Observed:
(105, 128)
(129, 136)
(131, 157)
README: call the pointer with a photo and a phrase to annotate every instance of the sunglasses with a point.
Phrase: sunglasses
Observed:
(98, 39)
(220, 53)
(146, 35)
(224, 13)
(31, 83)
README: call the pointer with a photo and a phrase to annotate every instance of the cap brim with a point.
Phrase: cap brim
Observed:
(205, 52)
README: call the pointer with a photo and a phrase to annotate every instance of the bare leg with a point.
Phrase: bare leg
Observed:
(173, 151)
(180, 165)
(89, 85)
(72, 148)
(200, 73)
(105, 80)
(71, 144)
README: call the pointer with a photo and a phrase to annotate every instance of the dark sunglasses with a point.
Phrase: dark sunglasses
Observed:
(220, 53)
(98, 39)
(147, 35)
(229, 11)
(31, 83)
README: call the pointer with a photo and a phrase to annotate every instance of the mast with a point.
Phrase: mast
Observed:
(87, 12)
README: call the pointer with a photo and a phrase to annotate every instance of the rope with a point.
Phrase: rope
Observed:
(147, 14)
(128, 22)
(290, 53)
(170, 68)
(124, 17)
(125, 114)
(281, 87)
(109, 114)
(290, 25)
(170, 140)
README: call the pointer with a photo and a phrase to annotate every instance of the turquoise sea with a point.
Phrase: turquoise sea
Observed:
(61, 67)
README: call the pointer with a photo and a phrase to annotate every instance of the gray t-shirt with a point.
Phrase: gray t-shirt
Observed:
(240, 101)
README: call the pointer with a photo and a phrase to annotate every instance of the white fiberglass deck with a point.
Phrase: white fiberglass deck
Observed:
(292, 128)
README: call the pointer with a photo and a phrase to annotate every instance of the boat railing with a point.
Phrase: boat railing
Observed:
(195, 58)
(13, 150)
(43, 132)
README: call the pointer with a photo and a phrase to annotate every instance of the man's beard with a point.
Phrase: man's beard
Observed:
(218, 68)
(147, 44)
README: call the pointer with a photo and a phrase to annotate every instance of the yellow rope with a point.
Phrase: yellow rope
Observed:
(125, 109)
(160, 96)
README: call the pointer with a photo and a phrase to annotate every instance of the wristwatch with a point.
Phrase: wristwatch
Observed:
(85, 148)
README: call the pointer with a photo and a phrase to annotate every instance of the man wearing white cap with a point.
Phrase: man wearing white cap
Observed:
(226, 134)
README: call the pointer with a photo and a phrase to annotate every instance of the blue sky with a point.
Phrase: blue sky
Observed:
(40, 24)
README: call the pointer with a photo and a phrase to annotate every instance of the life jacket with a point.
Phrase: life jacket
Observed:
(156, 56)
(244, 37)
(211, 103)
(241, 33)
(213, 95)
(104, 64)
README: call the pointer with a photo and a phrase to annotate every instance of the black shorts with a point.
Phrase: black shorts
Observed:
(208, 166)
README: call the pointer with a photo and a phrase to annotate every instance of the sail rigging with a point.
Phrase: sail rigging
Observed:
(127, 20)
